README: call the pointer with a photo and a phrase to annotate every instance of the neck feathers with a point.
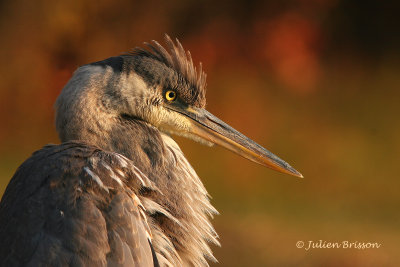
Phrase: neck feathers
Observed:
(187, 223)
(80, 110)
(179, 212)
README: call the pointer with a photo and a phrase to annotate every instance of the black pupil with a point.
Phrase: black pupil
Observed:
(171, 94)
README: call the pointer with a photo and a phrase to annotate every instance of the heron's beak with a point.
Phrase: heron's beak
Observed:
(212, 129)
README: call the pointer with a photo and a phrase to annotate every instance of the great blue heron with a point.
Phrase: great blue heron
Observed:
(118, 190)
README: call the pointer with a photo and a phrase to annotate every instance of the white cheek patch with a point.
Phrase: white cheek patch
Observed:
(174, 123)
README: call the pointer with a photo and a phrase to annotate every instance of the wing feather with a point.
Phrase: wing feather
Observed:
(66, 206)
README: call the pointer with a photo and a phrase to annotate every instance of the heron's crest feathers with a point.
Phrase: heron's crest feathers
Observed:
(180, 61)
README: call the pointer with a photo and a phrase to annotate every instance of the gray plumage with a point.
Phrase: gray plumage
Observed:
(118, 190)
(66, 217)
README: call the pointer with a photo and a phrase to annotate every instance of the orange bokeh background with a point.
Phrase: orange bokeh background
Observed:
(315, 81)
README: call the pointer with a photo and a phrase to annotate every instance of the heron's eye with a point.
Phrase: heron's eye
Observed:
(170, 95)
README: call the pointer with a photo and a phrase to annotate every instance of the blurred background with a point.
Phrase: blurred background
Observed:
(315, 81)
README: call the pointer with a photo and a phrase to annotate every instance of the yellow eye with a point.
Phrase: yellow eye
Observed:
(170, 95)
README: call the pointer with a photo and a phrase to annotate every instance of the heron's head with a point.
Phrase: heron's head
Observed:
(160, 87)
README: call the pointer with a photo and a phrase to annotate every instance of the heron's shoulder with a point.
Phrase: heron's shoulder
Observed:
(76, 164)
(75, 199)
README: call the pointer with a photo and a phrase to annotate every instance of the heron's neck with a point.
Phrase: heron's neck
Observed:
(135, 139)
(181, 209)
